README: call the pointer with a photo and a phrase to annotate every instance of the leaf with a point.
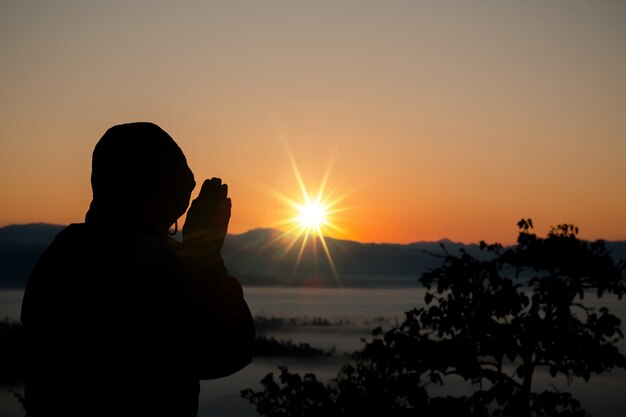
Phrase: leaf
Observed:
(428, 298)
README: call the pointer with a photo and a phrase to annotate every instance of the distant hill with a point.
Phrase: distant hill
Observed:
(268, 257)
(20, 248)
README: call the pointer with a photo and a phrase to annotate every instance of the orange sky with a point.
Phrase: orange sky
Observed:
(444, 119)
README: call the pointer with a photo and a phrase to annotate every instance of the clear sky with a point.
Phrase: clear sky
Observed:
(439, 118)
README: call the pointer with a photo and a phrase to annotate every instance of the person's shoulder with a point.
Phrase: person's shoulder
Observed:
(74, 229)
(73, 232)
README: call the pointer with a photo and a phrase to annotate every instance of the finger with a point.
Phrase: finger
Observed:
(195, 210)
(225, 207)
(229, 205)
(224, 212)
(211, 188)
(221, 190)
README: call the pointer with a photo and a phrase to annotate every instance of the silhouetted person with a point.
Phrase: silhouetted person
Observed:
(120, 318)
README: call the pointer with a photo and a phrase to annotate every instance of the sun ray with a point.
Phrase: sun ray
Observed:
(329, 257)
(336, 228)
(329, 167)
(296, 172)
(291, 243)
(299, 258)
(313, 216)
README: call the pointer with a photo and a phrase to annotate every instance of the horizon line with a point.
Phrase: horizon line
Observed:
(261, 228)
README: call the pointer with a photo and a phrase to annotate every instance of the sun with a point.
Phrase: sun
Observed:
(313, 218)
(312, 215)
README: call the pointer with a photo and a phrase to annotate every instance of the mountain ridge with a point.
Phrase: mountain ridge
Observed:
(269, 257)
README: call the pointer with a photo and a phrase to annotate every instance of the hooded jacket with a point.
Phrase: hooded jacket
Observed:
(120, 318)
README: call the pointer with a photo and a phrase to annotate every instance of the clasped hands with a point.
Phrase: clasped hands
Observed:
(207, 219)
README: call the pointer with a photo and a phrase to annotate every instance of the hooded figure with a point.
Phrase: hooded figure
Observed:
(121, 319)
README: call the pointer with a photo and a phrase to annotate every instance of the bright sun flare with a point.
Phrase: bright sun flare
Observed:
(313, 217)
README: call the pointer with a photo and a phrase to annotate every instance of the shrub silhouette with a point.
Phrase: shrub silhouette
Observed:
(489, 325)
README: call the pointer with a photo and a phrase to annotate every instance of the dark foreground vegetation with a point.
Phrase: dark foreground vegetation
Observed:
(264, 323)
(270, 347)
(482, 326)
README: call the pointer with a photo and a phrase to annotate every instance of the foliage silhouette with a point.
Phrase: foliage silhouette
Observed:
(272, 347)
(492, 323)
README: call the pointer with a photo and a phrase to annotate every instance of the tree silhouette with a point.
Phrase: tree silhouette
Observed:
(489, 323)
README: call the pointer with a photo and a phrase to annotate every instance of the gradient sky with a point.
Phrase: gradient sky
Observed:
(440, 118)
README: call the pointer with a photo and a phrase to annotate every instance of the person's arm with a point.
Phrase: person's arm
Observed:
(224, 341)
